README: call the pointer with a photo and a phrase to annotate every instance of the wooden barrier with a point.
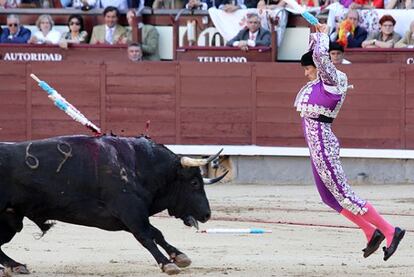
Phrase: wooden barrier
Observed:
(224, 54)
(204, 103)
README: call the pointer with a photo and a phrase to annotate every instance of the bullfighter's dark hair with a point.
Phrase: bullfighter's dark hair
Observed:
(307, 59)
(111, 9)
(335, 46)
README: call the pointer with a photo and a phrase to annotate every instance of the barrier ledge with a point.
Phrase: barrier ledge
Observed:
(254, 150)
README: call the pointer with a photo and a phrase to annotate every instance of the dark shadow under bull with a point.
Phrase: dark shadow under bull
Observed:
(113, 183)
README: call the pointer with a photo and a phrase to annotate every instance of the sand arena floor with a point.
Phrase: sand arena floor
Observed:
(307, 239)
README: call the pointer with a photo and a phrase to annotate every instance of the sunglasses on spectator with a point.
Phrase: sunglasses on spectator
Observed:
(74, 23)
(13, 25)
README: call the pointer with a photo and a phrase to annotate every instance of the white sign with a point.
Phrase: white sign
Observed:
(222, 59)
(42, 57)
(410, 61)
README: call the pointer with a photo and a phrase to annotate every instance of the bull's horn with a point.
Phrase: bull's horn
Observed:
(189, 162)
(209, 181)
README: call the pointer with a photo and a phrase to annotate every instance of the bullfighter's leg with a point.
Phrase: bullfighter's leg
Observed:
(10, 224)
(176, 255)
(134, 214)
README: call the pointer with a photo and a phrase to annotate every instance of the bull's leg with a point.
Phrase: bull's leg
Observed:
(10, 224)
(176, 255)
(134, 214)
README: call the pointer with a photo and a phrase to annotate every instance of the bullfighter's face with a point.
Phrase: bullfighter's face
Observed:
(310, 72)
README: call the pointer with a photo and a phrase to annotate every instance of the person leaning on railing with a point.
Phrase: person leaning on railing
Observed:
(15, 32)
(46, 34)
(110, 32)
(386, 37)
(76, 33)
(149, 38)
(408, 40)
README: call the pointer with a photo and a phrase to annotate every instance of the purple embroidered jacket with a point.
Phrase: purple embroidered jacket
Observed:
(325, 94)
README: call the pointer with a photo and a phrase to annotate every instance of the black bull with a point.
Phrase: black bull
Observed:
(113, 183)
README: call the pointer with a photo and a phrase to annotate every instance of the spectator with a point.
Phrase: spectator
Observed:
(253, 35)
(149, 37)
(134, 52)
(85, 5)
(408, 40)
(9, 4)
(386, 37)
(336, 53)
(76, 33)
(230, 6)
(400, 4)
(367, 4)
(196, 5)
(271, 5)
(356, 37)
(167, 4)
(121, 5)
(15, 33)
(46, 34)
(110, 32)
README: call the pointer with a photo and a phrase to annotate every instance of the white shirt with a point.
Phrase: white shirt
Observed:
(78, 3)
(122, 5)
(53, 37)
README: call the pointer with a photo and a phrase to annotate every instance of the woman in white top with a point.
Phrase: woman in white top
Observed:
(46, 33)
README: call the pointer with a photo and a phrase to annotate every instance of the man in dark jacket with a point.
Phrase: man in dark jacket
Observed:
(356, 38)
(14, 33)
(253, 35)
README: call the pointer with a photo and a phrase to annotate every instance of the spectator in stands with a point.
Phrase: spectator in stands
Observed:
(122, 5)
(196, 5)
(9, 4)
(149, 38)
(230, 6)
(367, 4)
(400, 4)
(336, 53)
(386, 37)
(408, 40)
(355, 38)
(46, 34)
(135, 52)
(15, 33)
(168, 4)
(110, 32)
(76, 33)
(85, 5)
(251, 36)
(271, 5)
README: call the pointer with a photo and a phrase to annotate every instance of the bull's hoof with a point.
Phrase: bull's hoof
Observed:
(20, 269)
(171, 269)
(182, 260)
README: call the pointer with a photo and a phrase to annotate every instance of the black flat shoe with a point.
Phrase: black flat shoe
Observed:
(398, 235)
(374, 243)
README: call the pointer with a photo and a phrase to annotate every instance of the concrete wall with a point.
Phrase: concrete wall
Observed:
(297, 170)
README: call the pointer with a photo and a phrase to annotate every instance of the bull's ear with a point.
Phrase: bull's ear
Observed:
(209, 181)
(190, 162)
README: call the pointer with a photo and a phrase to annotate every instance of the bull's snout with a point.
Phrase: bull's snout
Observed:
(206, 217)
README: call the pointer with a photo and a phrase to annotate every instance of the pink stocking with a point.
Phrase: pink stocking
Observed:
(367, 227)
(373, 217)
